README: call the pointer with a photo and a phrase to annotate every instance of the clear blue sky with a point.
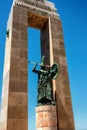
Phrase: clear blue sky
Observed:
(73, 14)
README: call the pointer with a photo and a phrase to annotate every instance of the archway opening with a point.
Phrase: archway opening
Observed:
(38, 45)
(34, 54)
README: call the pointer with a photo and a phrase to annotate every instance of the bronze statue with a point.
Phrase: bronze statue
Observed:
(45, 95)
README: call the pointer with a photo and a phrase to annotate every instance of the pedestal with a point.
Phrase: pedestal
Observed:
(46, 117)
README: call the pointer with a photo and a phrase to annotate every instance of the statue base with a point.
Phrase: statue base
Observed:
(46, 117)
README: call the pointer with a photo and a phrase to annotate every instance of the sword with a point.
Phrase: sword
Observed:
(48, 66)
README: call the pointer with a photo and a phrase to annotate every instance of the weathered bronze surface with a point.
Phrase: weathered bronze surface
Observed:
(45, 76)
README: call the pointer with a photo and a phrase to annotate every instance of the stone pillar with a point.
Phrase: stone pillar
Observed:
(14, 110)
(62, 90)
(46, 117)
(45, 47)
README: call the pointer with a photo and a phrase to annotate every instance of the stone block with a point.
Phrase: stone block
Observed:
(59, 44)
(67, 101)
(17, 112)
(23, 64)
(22, 112)
(18, 86)
(15, 43)
(23, 75)
(63, 76)
(23, 54)
(60, 100)
(49, 108)
(22, 124)
(19, 44)
(39, 119)
(15, 53)
(66, 88)
(12, 124)
(46, 117)
(49, 120)
(12, 112)
(14, 69)
(56, 22)
(56, 28)
(56, 59)
(17, 124)
(23, 35)
(18, 98)
(57, 35)
(62, 61)
(20, 15)
(60, 89)
(23, 44)
(59, 52)
(15, 34)
(19, 26)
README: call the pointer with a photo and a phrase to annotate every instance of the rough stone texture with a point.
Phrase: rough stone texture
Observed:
(63, 96)
(37, 21)
(46, 118)
(17, 102)
(14, 95)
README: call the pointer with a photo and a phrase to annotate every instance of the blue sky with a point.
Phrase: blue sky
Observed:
(73, 14)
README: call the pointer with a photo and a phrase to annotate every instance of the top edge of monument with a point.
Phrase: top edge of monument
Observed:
(42, 5)
(38, 2)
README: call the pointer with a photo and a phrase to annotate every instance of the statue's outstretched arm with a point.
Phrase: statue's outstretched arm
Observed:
(34, 69)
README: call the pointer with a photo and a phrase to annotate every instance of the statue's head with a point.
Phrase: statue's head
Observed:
(42, 62)
(43, 59)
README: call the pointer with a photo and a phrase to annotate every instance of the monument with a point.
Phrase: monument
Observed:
(56, 113)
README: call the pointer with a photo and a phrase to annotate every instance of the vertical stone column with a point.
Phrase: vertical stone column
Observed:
(17, 103)
(46, 117)
(62, 92)
(45, 44)
(14, 95)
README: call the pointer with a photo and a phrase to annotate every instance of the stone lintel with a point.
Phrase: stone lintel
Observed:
(36, 20)
(38, 7)
(40, 3)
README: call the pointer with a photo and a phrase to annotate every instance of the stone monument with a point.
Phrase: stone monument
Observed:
(42, 15)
